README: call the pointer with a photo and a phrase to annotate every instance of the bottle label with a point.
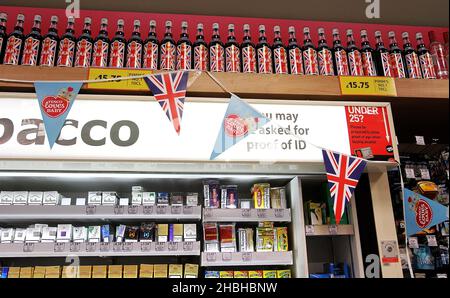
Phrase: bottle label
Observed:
(201, 58)
(168, 52)
(426, 63)
(117, 54)
(280, 61)
(341, 61)
(150, 56)
(355, 63)
(1, 45)
(310, 61)
(216, 58)
(398, 70)
(100, 54)
(66, 52)
(48, 52)
(440, 64)
(296, 61)
(233, 59)
(413, 66)
(265, 60)
(134, 54)
(13, 47)
(248, 59)
(325, 62)
(84, 53)
(369, 64)
(30, 51)
(184, 57)
(385, 63)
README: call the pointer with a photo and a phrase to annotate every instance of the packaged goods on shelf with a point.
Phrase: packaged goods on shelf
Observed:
(283, 273)
(265, 237)
(211, 237)
(261, 195)
(6, 197)
(39, 272)
(115, 271)
(94, 233)
(245, 237)
(245, 203)
(229, 196)
(120, 233)
(99, 271)
(314, 213)
(240, 274)
(147, 232)
(146, 271)
(51, 198)
(7, 235)
(26, 272)
(163, 233)
(137, 198)
(130, 271)
(49, 234)
(255, 274)
(148, 198)
(212, 274)
(132, 234)
(20, 198)
(190, 232)
(64, 233)
(278, 197)
(160, 270)
(20, 235)
(211, 193)
(226, 274)
(95, 198)
(105, 232)
(176, 232)
(270, 273)
(80, 234)
(227, 237)
(190, 270)
(85, 271)
(192, 199)
(281, 239)
(109, 198)
(175, 271)
(176, 199)
(162, 199)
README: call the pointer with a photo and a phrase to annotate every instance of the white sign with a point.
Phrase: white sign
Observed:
(139, 130)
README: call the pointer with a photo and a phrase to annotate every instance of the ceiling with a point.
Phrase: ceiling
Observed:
(394, 12)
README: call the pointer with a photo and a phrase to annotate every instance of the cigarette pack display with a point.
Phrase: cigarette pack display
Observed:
(51, 198)
(95, 198)
(85, 271)
(278, 197)
(314, 213)
(130, 271)
(53, 272)
(106, 233)
(212, 274)
(223, 196)
(34, 235)
(80, 234)
(132, 234)
(39, 272)
(49, 234)
(162, 198)
(264, 237)
(6, 197)
(211, 192)
(177, 232)
(175, 271)
(261, 196)
(99, 271)
(240, 274)
(4, 272)
(66, 201)
(148, 198)
(80, 202)
(246, 243)
(270, 273)
(7, 235)
(190, 271)
(64, 233)
(245, 203)
(120, 233)
(176, 199)
(146, 271)
(160, 270)
(284, 273)
(109, 198)
(147, 232)
(192, 199)
(20, 235)
(163, 232)
(226, 274)
(211, 237)
(227, 237)
(26, 272)
(281, 239)
(255, 274)
(94, 233)
(14, 272)
(136, 198)
(229, 198)
(190, 232)
(115, 271)
(35, 197)
(20, 198)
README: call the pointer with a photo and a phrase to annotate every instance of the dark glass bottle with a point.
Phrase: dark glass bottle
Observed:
(354, 56)
(184, 49)
(411, 58)
(396, 57)
(66, 50)
(134, 47)
(248, 52)
(3, 35)
(50, 44)
(340, 58)
(151, 49)
(117, 48)
(309, 54)
(295, 54)
(324, 55)
(216, 51)
(232, 52)
(201, 53)
(14, 43)
(425, 59)
(280, 57)
(382, 57)
(84, 46)
(367, 53)
(168, 52)
(264, 52)
(32, 44)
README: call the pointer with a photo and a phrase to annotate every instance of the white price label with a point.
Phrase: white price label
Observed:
(333, 229)
(91, 246)
(188, 209)
(75, 247)
(245, 213)
(413, 242)
(118, 210)
(247, 256)
(127, 246)
(117, 246)
(211, 256)
(175, 209)
(148, 210)
(261, 213)
(420, 140)
(161, 209)
(425, 174)
(146, 246)
(132, 209)
(90, 210)
(410, 174)
(104, 246)
(173, 246)
(431, 239)
(28, 247)
(160, 246)
(310, 230)
(59, 247)
(188, 246)
(226, 256)
(279, 213)
(207, 213)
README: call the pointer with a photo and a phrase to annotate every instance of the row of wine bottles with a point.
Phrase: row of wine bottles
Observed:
(167, 54)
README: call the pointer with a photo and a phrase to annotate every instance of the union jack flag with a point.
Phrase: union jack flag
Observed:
(232, 59)
(201, 58)
(48, 52)
(343, 173)
(84, 52)
(134, 54)
(217, 58)
(12, 52)
(100, 54)
(280, 60)
(355, 63)
(398, 69)
(168, 55)
(66, 52)
(248, 59)
(368, 65)
(265, 60)
(150, 56)
(341, 63)
(184, 56)
(413, 65)
(426, 62)
(310, 62)
(169, 89)
(296, 61)
(30, 51)
(386, 64)
(325, 63)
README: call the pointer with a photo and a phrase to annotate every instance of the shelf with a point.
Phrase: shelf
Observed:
(246, 85)
(246, 215)
(119, 249)
(97, 213)
(329, 230)
(212, 259)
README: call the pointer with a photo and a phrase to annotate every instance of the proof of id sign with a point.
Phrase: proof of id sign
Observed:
(373, 86)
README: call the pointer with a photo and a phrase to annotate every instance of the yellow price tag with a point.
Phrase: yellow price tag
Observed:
(374, 86)
(118, 84)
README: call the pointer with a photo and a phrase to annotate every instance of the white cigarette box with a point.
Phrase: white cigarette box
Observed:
(148, 198)
(35, 197)
(20, 235)
(80, 234)
(94, 198)
(109, 198)
(64, 233)
(6, 197)
(49, 234)
(51, 198)
(20, 198)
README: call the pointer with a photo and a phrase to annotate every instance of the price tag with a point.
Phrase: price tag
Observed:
(59, 247)
(333, 229)
(420, 140)
(279, 213)
(261, 213)
(425, 174)
(431, 239)
(247, 256)
(410, 174)
(117, 246)
(309, 230)
(148, 210)
(226, 256)
(132, 209)
(188, 246)
(207, 213)
(211, 256)
(245, 213)
(173, 246)
(146, 246)
(118, 210)
(375, 86)
(91, 246)
(413, 242)
(104, 246)
(161, 210)
(188, 209)
(127, 246)
(110, 73)
(75, 247)
(175, 209)
(160, 246)
(28, 247)
(90, 210)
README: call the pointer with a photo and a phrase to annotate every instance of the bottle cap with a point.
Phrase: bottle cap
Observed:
(291, 29)
(276, 29)
(120, 22)
(152, 23)
(432, 36)
(137, 23)
(37, 18)
(3, 16)
(377, 33)
(54, 19)
(199, 26)
(20, 17)
(215, 26)
(247, 27)
(321, 31)
(70, 19)
(262, 28)
(405, 35)
(364, 32)
(419, 35)
(104, 21)
(168, 23)
(349, 32)
(184, 24)
(306, 30)
(230, 26)
(87, 20)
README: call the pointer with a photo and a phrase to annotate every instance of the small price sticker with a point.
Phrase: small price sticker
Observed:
(28, 247)
(413, 242)
(148, 210)
(247, 256)
(431, 239)
(211, 256)
(175, 209)
(91, 246)
(59, 247)
(375, 86)
(90, 210)
(173, 246)
(226, 256)
(261, 213)
(127, 246)
(309, 230)
(188, 209)
(161, 210)
(104, 246)
(117, 246)
(115, 74)
(160, 246)
(279, 213)
(133, 209)
(333, 229)
(188, 246)
(146, 246)
(75, 247)
(208, 213)
(245, 213)
(118, 210)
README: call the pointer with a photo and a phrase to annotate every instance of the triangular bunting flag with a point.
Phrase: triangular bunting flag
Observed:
(239, 122)
(422, 213)
(169, 89)
(343, 173)
(55, 101)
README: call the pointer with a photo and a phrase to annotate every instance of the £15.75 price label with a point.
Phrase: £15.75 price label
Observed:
(373, 86)
(116, 82)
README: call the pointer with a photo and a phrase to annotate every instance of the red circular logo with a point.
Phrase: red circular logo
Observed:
(235, 126)
(54, 106)
(424, 214)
